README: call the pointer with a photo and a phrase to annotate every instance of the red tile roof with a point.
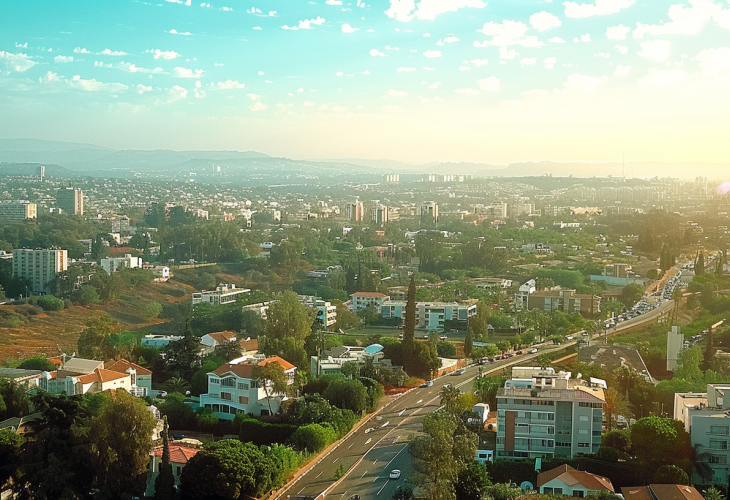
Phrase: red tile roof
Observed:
(244, 370)
(56, 360)
(376, 295)
(178, 454)
(249, 345)
(223, 337)
(571, 477)
(123, 365)
(101, 375)
(276, 359)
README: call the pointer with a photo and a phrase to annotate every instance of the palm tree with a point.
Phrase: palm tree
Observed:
(615, 405)
(712, 493)
(177, 384)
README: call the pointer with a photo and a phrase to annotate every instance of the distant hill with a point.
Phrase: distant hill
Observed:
(42, 145)
(32, 169)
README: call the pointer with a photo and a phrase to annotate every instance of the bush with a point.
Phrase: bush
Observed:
(670, 474)
(607, 454)
(313, 438)
(37, 363)
(446, 350)
(67, 304)
(29, 310)
(262, 433)
(50, 303)
(152, 310)
(348, 394)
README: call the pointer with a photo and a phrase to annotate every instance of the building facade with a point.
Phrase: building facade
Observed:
(588, 305)
(548, 415)
(523, 294)
(223, 294)
(429, 315)
(70, 200)
(361, 300)
(39, 266)
(17, 211)
(114, 264)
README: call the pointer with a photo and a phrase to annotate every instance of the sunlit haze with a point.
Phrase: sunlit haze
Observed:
(417, 81)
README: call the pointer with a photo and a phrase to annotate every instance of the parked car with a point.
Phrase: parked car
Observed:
(533, 351)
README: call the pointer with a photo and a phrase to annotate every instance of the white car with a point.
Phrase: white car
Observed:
(395, 474)
(533, 351)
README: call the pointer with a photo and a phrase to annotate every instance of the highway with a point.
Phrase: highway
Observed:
(369, 453)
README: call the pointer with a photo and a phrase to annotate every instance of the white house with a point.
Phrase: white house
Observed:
(141, 377)
(223, 294)
(213, 340)
(159, 340)
(361, 300)
(565, 480)
(81, 376)
(114, 264)
(233, 390)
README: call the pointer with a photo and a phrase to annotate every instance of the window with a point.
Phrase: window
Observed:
(242, 386)
(228, 382)
(719, 429)
(583, 418)
(226, 396)
(583, 432)
(547, 491)
(718, 445)
(243, 400)
(178, 470)
(214, 381)
(578, 493)
(717, 459)
(584, 445)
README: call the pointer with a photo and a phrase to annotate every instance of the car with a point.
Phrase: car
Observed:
(401, 327)
(533, 351)
(425, 337)
(454, 330)
(395, 474)
(443, 337)
(427, 383)
(460, 371)
(569, 337)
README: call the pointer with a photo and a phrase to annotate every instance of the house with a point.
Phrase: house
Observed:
(28, 378)
(332, 360)
(141, 377)
(114, 264)
(162, 273)
(180, 455)
(661, 492)
(429, 315)
(213, 340)
(565, 480)
(233, 390)
(326, 312)
(222, 295)
(159, 340)
(81, 376)
(361, 300)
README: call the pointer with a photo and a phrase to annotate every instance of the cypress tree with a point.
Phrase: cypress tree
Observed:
(709, 351)
(700, 265)
(468, 344)
(165, 481)
(409, 332)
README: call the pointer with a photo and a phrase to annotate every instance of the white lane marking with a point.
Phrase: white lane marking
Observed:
(319, 474)
(336, 459)
(350, 446)
(300, 491)
(419, 401)
(401, 412)
(383, 487)
(363, 474)
(385, 424)
(391, 460)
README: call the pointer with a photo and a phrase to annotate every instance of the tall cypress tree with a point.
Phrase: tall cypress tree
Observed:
(700, 265)
(468, 343)
(709, 351)
(409, 332)
(165, 481)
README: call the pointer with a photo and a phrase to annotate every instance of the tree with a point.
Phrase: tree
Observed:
(347, 394)
(670, 474)
(86, 295)
(473, 482)
(37, 363)
(122, 437)
(478, 324)
(429, 245)
(700, 264)
(165, 480)
(228, 351)
(486, 389)
(409, 330)
(177, 384)
(712, 493)
(615, 405)
(152, 310)
(544, 361)
(407, 494)
(50, 303)
(313, 438)
(468, 344)
(346, 319)
(350, 369)
(13, 399)
(619, 440)
(446, 350)
(272, 378)
(10, 446)
(288, 323)
(710, 351)
(659, 441)
(631, 294)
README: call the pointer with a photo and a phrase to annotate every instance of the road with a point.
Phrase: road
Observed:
(369, 453)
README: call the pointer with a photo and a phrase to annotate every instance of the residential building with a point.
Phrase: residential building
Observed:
(213, 340)
(141, 377)
(159, 340)
(222, 295)
(233, 390)
(379, 215)
(675, 343)
(391, 178)
(114, 264)
(81, 376)
(429, 315)
(39, 267)
(259, 308)
(661, 492)
(544, 413)
(491, 283)
(180, 455)
(588, 305)
(28, 378)
(565, 480)
(523, 293)
(361, 300)
(326, 312)
(707, 419)
(430, 209)
(331, 361)
(17, 211)
(355, 211)
(70, 200)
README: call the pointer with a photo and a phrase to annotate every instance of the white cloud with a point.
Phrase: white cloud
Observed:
(535, 92)
(714, 61)
(110, 52)
(479, 62)
(407, 10)
(528, 61)
(230, 85)
(176, 93)
(434, 86)
(490, 84)
(617, 32)
(334, 2)
(466, 91)
(164, 54)
(505, 53)
(143, 88)
(63, 59)
(258, 106)
(623, 49)
(451, 39)
(464, 68)
(261, 73)
(509, 33)
(253, 97)
(396, 93)
(605, 55)
(307, 104)
(622, 71)
(133, 68)
(585, 83)
(550, 62)
(600, 8)
(181, 72)
(306, 24)
(426, 68)
(686, 20)
(346, 28)
(543, 21)
(556, 39)
(663, 77)
(15, 62)
(76, 82)
(405, 70)
(79, 50)
(583, 38)
(176, 32)
(432, 53)
(377, 53)
(657, 50)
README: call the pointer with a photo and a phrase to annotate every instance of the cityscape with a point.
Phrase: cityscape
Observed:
(399, 250)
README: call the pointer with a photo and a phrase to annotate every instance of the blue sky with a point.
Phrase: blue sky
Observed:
(414, 80)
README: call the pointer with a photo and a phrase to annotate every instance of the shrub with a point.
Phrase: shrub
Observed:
(446, 350)
(37, 363)
(262, 433)
(152, 310)
(313, 438)
(50, 303)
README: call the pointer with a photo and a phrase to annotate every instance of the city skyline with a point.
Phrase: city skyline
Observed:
(435, 80)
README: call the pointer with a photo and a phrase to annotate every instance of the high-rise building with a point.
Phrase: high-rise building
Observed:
(544, 413)
(379, 215)
(355, 211)
(42, 172)
(391, 178)
(430, 208)
(39, 266)
(17, 210)
(70, 200)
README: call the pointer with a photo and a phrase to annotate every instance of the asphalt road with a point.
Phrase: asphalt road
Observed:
(380, 445)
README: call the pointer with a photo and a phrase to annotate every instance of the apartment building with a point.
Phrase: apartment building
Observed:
(17, 211)
(82, 376)
(326, 312)
(331, 361)
(523, 293)
(569, 301)
(222, 295)
(430, 209)
(429, 315)
(39, 266)
(233, 390)
(544, 413)
(361, 300)
(70, 200)
(114, 264)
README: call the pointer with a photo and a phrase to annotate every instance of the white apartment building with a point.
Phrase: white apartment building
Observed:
(430, 315)
(523, 294)
(361, 300)
(17, 210)
(39, 266)
(223, 294)
(326, 311)
(233, 390)
(114, 264)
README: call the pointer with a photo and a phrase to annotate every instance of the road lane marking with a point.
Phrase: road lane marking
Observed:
(385, 424)
(402, 412)
(336, 459)
(419, 401)
(391, 460)
(319, 474)
(350, 446)
(381, 489)
(300, 491)
(363, 474)
(368, 441)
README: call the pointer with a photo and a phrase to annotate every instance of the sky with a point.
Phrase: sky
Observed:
(494, 81)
